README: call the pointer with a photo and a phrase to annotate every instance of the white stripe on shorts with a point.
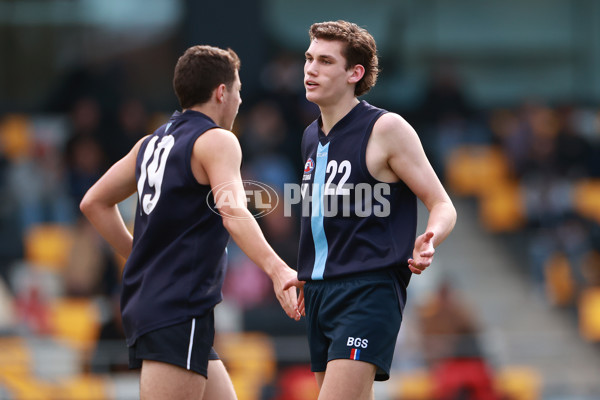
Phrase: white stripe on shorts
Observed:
(189, 357)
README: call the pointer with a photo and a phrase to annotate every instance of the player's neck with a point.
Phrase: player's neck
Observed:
(332, 114)
(207, 109)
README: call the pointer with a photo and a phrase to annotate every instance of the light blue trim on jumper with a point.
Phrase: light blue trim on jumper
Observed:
(316, 219)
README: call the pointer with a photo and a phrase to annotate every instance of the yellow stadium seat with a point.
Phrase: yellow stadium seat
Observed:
(472, 170)
(250, 360)
(23, 386)
(248, 351)
(589, 314)
(586, 198)
(14, 355)
(413, 385)
(558, 279)
(16, 136)
(502, 208)
(246, 386)
(76, 321)
(48, 246)
(519, 383)
(84, 387)
(17, 378)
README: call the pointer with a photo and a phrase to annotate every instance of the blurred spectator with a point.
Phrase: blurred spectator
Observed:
(103, 81)
(132, 124)
(283, 86)
(34, 175)
(111, 354)
(85, 158)
(32, 310)
(508, 131)
(7, 310)
(443, 118)
(451, 348)
(245, 284)
(541, 126)
(282, 81)
(11, 243)
(266, 140)
(573, 149)
(282, 233)
(86, 118)
(445, 96)
(92, 268)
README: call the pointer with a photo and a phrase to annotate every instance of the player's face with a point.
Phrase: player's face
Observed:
(233, 101)
(325, 74)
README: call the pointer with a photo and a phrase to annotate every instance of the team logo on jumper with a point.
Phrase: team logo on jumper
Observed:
(309, 166)
(227, 198)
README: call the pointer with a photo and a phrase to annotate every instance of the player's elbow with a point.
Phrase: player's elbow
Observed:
(87, 204)
(230, 223)
(451, 213)
(232, 217)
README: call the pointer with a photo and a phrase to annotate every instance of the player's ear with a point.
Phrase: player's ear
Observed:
(357, 72)
(220, 92)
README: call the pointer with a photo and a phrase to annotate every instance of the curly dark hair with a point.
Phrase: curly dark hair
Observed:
(360, 48)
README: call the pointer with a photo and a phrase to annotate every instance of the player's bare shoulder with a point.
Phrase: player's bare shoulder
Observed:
(214, 147)
(216, 141)
(390, 144)
(392, 127)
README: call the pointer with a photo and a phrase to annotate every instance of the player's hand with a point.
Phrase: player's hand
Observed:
(295, 283)
(286, 294)
(422, 253)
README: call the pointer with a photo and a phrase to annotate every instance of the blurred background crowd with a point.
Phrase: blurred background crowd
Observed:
(505, 96)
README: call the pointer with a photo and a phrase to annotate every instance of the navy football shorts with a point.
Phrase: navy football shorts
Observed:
(355, 317)
(187, 345)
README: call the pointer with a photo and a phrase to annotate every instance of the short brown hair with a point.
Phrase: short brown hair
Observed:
(200, 70)
(360, 48)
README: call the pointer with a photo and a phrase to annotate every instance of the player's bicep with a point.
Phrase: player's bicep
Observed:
(220, 154)
(409, 162)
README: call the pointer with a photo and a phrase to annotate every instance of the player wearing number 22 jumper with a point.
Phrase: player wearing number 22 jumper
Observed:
(176, 258)
(365, 168)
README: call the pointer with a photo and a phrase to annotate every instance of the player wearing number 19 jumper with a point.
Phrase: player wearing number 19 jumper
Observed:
(358, 247)
(176, 258)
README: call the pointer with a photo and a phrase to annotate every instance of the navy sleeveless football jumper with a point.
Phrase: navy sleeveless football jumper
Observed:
(176, 268)
(351, 223)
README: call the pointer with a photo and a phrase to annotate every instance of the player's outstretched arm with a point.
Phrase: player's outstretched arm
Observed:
(220, 155)
(399, 144)
(99, 204)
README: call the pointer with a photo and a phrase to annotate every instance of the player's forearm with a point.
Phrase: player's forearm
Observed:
(442, 218)
(108, 222)
(247, 234)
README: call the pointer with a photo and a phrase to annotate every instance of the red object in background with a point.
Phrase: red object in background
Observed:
(297, 383)
(468, 378)
(32, 311)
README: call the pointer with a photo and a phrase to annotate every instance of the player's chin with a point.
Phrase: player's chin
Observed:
(312, 97)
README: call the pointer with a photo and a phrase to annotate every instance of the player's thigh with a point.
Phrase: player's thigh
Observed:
(218, 385)
(348, 380)
(162, 381)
